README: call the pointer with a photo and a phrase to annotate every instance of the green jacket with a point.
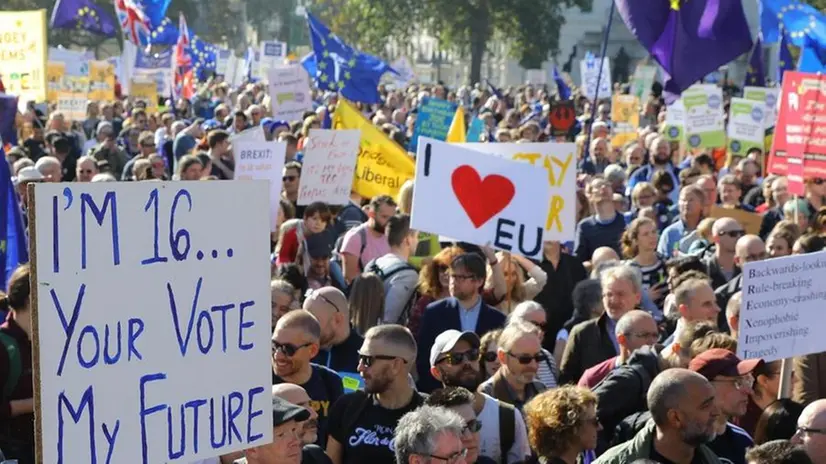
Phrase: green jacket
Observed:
(640, 446)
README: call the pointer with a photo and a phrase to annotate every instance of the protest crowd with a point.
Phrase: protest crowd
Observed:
(615, 343)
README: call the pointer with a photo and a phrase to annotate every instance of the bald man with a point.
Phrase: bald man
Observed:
(602, 255)
(811, 431)
(634, 330)
(339, 342)
(721, 268)
(749, 248)
(296, 395)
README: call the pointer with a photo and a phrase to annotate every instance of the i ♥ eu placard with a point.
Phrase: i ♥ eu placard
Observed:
(151, 313)
(478, 198)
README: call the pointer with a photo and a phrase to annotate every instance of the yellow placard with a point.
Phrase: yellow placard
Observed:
(382, 166)
(55, 71)
(146, 92)
(625, 116)
(101, 81)
(23, 48)
(750, 221)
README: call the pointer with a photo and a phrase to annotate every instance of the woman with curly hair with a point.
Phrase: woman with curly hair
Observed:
(433, 284)
(562, 424)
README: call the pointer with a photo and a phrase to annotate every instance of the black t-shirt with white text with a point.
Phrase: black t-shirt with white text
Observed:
(323, 388)
(365, 429)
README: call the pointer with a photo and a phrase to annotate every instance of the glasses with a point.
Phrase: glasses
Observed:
(454, 359)
(818, 181)
(367, 359)
(489, 356)
(527, 358)
(803, 429)
(327, 300)
(472, 426)
(289, 178)
(461, 277)
(733, 233)
(288, 349)
(540, 325)
(452, 459)
(740, 383)
(85, 171)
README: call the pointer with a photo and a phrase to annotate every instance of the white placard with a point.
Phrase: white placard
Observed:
(265, 161)
(289, 92)
(557, 161)
(72, 105)
(479, 199)
(253, 134)
(222, 61)
(589, 71)
(271, 54)
(782, 307)
(329, 166)
(406, 73)
(152, 318)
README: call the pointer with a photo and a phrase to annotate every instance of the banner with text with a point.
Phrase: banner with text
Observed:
(592, 79)
(625, 114)
(433, 120)
(745, 125)
(329, 165)
(23, 54)
(674, 126)
(256, 160)
(289, 92)
(704, 125)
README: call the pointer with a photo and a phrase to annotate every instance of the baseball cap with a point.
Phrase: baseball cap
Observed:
(283, 412)
(330, 297)
(720, 362)
(448, 339)
(320, 245)
(28, 174)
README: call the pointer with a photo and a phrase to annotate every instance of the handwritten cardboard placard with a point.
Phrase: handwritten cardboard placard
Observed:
(329, 166)
(479, 199)
(750, 221)
(262, 161)
(151, 320)
(289, 92)
(782, 307)
(558, 163)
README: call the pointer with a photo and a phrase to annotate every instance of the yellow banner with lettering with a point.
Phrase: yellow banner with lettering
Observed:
(382, 166)
(101, 81)
(625, 114)
(23, 49)
(146, 92)
(55, 71)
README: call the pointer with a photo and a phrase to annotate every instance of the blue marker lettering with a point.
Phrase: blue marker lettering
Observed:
(110, 438)
(204, 316)
(94, 333)
(233, 413)
(253, 414)
(108, 358)
(195, 404)
(144, 412)
(176, 237)
(244, 325)
(87, 400)
(55, 237)
(183, 343)
(68, 327)
(223, 309)
(100, 215)
(180, 452)
(212, 417)
(156, 257)
(135, 330)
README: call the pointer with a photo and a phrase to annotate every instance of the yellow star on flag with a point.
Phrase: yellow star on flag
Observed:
(340, 85)
(347, 74)
(322, 65)
(323, 78)
(675, 5)
(325, 54)
(352, 62)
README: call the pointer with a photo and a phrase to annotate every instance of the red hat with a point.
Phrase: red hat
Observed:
(719, 362)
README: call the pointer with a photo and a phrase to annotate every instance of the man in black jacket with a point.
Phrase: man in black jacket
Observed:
(749, 248)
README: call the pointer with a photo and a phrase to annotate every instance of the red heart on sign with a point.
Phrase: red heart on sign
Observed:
(481, 198)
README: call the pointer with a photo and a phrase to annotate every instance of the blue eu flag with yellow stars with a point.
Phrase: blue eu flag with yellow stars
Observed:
(83, 15)
(13, 243)
(204, 57)
(756, 73)
(800, 25)
(341, 68)
(785, 61)
(165, 33)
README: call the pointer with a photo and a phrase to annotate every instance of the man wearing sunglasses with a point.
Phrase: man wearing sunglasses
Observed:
(454, 361)
(721, 268)
(520, 352)
(460, 401)
(811, 431)
(295, 341)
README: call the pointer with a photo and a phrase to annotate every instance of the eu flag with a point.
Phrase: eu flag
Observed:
(785, 60)
(138, 18)
(165, 33)
(8, 113)
(83, 15)
(13, 248)
(204, 57)
(309, 64)
(688, 38)
(803, 24)
(561, 87)
(756, 74)
(343, 69)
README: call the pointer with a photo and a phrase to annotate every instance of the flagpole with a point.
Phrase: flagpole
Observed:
(587, 164)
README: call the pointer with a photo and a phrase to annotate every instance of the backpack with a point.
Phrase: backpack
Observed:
(386, 274)
(507, 427)
(337, 257)
(15, 365)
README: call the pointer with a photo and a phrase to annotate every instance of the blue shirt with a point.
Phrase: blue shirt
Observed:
(468, 317)
(646, 173)
(611, 325)
(670, 239)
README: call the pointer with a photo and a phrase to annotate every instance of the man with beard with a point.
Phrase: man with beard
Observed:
(732, 380)
(660, 158)
(684, 412)
(367, 242)
(295, 341)
(454, 361)
(339, 342)
(520, 353)
(362, 423)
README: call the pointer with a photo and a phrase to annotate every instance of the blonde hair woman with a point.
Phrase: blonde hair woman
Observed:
(518, 289)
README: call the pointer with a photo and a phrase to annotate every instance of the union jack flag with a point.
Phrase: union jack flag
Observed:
(183, 62)
(134, 21)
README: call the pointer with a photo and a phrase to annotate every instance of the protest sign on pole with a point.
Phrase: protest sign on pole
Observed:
(222, 61)
(557, 161)
(704, 126)
(769, 98)
(101, 81)
(146, 92)
(479, 199)
(674, 125)
(562, 118)
(745, 125)
(782, 307)
(23, 54)
(255, 160)
(289, 92)
(253, 134)
(151, 320)
(625, 114)
(72, 105)
(433, 120)
(270, 55)
(589, 72)
(642, 80)
(54, 79)
(799, 149)
(329, 165)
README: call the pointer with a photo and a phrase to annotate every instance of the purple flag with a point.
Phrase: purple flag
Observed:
(84, 15)
(689, 39)
(8, 111)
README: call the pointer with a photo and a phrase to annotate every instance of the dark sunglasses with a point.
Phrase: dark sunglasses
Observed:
(527, 358)
(540, 325)
(818, 181)
(288, 349)
(733, 233)
(368, 360)
(472, 426)
(489, 356)
(454, 359)
(289, 178)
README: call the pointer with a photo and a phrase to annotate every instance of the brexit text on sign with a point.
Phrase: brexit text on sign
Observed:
(152, 320)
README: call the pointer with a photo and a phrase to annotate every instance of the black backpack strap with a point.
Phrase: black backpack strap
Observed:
(507, 426)
(363, 237)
